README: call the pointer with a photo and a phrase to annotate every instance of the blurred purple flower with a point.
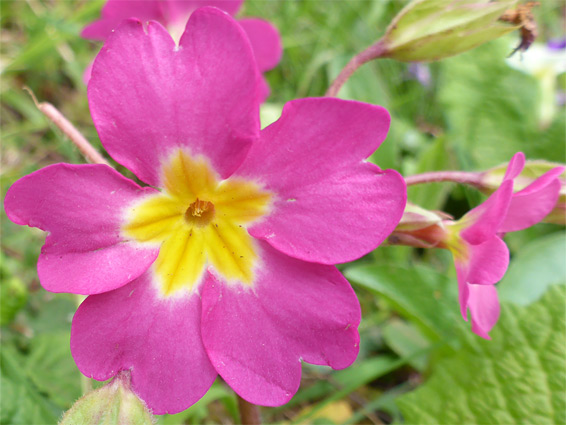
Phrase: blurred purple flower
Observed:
(420, 72)
(557, 43)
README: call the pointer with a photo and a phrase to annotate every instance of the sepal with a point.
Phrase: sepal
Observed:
(429, 30)
(114, 403)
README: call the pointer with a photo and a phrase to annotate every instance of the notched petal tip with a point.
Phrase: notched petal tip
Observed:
(201, 96)
(80, 206)
(257, 349)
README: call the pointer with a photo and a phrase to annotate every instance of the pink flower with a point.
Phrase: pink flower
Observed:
(480, 255)
(228, 269)
(174, 14)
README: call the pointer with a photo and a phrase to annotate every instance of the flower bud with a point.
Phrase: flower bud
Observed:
(492, 178)
(114, 403)
(420, 228)
(429, 30)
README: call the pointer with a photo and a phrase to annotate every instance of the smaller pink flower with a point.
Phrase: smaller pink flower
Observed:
(174, 14)
(480, 255)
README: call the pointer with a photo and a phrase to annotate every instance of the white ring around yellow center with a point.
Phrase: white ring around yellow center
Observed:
(198, 219)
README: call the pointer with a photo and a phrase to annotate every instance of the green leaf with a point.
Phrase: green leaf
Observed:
(13, 293)
(404, 339)
(423, 295)
(536, 266)
(51, 313)
(51, 368)
(21, 402)
(516, 378)
(351, 379)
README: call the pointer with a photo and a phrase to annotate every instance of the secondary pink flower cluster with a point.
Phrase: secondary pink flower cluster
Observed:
(174, 14)
(281, 206)
(480, 255)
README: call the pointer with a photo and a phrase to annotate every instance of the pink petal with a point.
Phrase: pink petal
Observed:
(488, 262)
(515, 166)
(87, 73)
(256, 337)
(159, 340)
(264, 90)
(484, 308)
(115, 11)
(463, 291)
(265, 40)
(331, 207)
(485, 220)
(81, 207)
(149, 97)
(533, 203)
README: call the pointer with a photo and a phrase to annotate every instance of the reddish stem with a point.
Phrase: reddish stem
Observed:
(372, 52)
(57, 118)
(249, 413)
(463, 177)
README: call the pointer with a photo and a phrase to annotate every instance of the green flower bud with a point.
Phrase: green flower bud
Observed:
(429, 30)
(113, 404)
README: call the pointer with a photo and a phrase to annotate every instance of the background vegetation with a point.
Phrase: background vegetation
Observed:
(474, 113)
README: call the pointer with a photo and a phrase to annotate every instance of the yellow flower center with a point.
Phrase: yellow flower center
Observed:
(198, 220)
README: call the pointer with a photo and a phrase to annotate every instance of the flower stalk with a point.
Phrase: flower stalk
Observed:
(57, 118)
(372, 52)
(249, 413)
(463, 177)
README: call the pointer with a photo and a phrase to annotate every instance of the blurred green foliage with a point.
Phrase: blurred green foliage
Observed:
(474, 113)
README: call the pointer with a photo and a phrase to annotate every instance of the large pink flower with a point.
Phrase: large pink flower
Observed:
(480, 255)
(174, 14)
(228, 268)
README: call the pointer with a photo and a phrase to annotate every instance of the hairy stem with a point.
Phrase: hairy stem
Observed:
(57, 118)
(372, 52)
(249, 413)
(464, 177)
